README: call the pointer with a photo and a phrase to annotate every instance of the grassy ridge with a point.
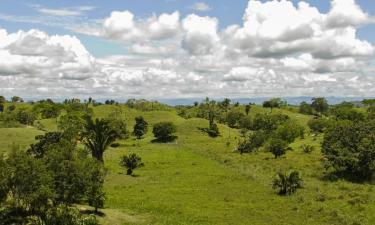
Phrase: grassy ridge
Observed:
(200, 180)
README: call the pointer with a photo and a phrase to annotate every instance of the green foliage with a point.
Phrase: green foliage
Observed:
(73, 124)
(320, 105)
(234, 118)
(15, 99)
(48, 109)
(97, 136)
(277, 147)
(25, 116)
(94, 185)
(349, 148)
(347, 112)
(268, 122)
(64, 215)
(274, 103)
(131, 162)
(164, 131)
(2, 107)
(247, 109)
(30, 184)
(119, 126)
(289, 131)
(44, 143)
(318, 125)
(287, 183)
(140, 127)
(306, 108)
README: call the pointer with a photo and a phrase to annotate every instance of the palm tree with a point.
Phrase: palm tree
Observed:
(287, 183)
(98, 135)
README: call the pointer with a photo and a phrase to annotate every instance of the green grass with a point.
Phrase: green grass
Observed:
(201, 180)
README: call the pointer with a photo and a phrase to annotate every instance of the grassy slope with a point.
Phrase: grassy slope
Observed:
(200, 180)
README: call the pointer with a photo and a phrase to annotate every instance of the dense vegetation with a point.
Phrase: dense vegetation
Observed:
(66, 163)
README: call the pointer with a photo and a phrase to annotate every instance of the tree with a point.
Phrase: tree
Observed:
(287, 183)
(2, 99)
(131, 162)
(305, 108)
(247, 109)
(273, 103)
(1, 107)
(349, 149)
(45, 142)
(25, 116)
(140, 127)
(30, 183)
(320, 105)
(95, 180)
(97, 136)
(277, 147)
(234, 118)
(289, 131)
(164, 131)
(16, 99)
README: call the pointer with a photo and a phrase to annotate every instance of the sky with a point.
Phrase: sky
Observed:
(187, 49)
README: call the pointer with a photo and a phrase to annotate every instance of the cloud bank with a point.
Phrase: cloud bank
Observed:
(280, 49)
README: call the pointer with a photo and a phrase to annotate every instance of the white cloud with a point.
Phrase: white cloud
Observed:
(201, 6)
(280, 49)
(71, 11)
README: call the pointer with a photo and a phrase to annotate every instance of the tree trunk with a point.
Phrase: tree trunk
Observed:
(129, 172)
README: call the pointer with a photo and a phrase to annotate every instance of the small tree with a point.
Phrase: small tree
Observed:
(140, 127)
(287, 183)
(277, 147)
(131, 162)
(247, 109)
(164, 131)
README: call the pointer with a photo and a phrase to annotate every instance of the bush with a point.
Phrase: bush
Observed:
(131, 162)
(119, 126)
(277, 147)
(213, 130)
(318, 125)
(287, 183)
(164, 131)
(289, 131)
(115, 145)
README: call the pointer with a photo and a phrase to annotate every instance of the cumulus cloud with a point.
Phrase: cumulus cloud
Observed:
(123, 26)
(280, 49)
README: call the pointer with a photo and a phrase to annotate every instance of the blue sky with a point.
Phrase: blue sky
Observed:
(227, 11)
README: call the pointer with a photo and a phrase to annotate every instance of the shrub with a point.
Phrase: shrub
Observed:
(131, 162)
(164, 131)
(277, 147)
(115, 145)
(213, 130)
(287, 183)
(318, 125)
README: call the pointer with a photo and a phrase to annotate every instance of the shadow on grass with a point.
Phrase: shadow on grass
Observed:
(92, 212)
(165, 140)
(208, 131)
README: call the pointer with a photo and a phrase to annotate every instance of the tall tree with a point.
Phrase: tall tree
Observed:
(247, 109)
(97, 136)
(320, 105)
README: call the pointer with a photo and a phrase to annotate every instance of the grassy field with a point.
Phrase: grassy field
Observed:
(201, 180)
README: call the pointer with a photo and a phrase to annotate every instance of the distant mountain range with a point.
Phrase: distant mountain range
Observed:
(260, 100)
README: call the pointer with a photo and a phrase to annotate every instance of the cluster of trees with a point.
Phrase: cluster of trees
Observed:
(273, 131)
(41, 185)
(349, 142)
